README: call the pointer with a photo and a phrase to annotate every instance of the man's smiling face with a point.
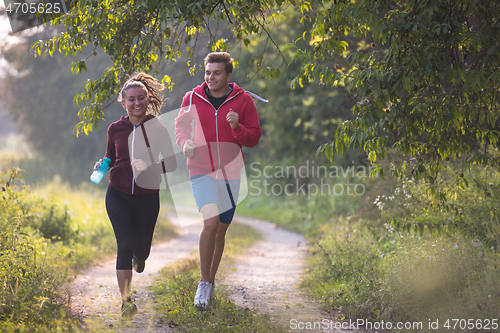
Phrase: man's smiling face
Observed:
(217, 78)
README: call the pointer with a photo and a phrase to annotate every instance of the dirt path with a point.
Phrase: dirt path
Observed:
(94, 293)
(266, 278)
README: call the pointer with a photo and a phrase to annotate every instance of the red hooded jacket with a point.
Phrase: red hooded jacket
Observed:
(218, 147)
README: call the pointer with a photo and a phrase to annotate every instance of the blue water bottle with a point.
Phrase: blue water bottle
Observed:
(98, 174)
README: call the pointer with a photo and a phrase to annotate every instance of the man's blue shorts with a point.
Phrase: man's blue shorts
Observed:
(224, 193)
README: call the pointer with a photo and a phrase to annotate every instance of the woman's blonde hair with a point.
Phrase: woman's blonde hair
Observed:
(152, 86)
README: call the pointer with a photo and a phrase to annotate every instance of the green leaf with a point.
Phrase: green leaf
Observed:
(372, 156)
(421, 228)
(339, 146)
(289, 46)
(491, 50)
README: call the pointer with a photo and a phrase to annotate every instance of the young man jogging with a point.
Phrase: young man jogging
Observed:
(225, 119)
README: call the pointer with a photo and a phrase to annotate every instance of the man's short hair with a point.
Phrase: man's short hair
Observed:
(222, 57)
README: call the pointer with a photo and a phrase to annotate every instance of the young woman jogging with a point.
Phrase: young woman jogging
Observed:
(134, 145)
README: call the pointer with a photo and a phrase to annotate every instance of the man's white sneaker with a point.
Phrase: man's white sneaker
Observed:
(203, 295)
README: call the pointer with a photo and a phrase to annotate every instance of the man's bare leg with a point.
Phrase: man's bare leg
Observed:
(210, 214)
(220, 241)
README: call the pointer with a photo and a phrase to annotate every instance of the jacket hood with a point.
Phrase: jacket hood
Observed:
(125, 120)
(200, 89)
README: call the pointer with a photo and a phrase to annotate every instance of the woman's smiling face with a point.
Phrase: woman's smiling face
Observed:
(136, 101)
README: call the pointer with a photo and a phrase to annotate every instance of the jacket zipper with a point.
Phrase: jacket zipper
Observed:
(133, 170)
(217, 126)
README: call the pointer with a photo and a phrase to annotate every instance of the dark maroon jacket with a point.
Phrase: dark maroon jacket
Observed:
(125, 141)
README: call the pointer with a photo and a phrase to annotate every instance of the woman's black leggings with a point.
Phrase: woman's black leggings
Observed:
(134, 219)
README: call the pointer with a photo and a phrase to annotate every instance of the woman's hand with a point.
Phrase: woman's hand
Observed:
(98, 164)
(138, 164)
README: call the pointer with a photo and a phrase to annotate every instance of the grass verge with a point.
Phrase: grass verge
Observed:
(46, 236)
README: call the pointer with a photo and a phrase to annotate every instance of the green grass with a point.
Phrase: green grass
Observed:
(403, 277)
(39, 255)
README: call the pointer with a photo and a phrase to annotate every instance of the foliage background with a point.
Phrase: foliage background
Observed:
(412, 86)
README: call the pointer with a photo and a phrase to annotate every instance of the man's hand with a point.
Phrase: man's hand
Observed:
(232, 118)
(188, 148)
